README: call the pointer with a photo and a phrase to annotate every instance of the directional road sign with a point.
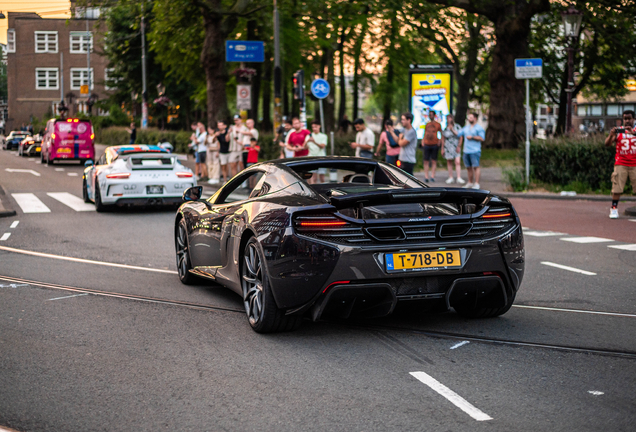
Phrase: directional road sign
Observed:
(245, 51)
(528, 68)
(320, 88)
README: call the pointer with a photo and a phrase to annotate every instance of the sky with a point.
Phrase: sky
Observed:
(46, 9)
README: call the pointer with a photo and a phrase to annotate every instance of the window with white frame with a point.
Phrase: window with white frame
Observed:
(47, 79)
(79, 77)
(11, 40)
(45, 41)
(110, 82)
(80, 42)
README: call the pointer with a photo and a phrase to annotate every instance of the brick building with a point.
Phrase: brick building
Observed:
(47, 62)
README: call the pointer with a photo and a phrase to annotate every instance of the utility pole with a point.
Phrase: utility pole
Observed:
(278, 118)
(88, 59)
(144, 92)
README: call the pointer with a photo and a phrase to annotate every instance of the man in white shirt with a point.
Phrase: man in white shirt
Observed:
(236, 147)
(201, 152)
(317, 145)
(365, 140)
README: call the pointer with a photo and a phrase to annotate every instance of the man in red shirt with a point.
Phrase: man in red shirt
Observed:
(296, 139)
(624, 138)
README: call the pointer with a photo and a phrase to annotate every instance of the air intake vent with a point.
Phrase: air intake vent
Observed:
(390, 233)
(454, 230)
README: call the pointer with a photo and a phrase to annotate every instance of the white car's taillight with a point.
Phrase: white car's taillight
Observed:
(118, 176)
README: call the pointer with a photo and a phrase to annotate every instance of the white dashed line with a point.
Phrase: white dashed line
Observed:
(29, 203)
(629, 247)
(632, 220)
(72, 174)
(453, 397)
(14, 224)
(59, 169)
(28, 171)
(542, 233)
(72, 201)
(595, 392)
(5, 236)
(572, 269)
(65, 297)
(459, 344)
(586, 239)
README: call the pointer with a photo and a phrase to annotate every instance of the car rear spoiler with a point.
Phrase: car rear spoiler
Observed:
(414, 195)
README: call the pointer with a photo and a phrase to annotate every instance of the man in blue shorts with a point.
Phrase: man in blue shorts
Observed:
(473, 135)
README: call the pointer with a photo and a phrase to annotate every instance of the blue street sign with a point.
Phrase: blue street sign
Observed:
(528, 68)
(320, 88)
(528, 62)
(245, 51)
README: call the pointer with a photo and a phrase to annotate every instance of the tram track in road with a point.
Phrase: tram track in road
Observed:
(353, 325)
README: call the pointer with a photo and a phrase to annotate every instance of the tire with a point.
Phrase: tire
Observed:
(258, 300)
(182, 247)
(99, 206)
(485, 312)
(85, 192)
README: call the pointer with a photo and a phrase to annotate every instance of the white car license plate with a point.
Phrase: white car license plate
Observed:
(154, 190)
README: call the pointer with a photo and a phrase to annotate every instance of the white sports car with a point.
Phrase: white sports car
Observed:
(135, 175)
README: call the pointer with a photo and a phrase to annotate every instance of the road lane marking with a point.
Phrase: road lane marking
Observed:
(14, 224)
(629, 247)
(29, 203)
(572, 269)
(575, 311)
(59, 169)
(453, 397)
(586, 239)
(65, 297)
(35, 173)
(459, 344)
(595, 392)
(85, 261)
(72, 174)
(5, 236)
(632, 220)
(13, 285)
(542, 233)
(72, 201)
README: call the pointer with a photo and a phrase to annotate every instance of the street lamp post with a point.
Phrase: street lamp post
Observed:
(571, 27)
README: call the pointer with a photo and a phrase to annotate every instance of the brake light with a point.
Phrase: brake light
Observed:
(335, 283)
(118, 176)
(498, 215)
(53, 136)
(184, 174)
(92, 136)
(69, 120)
(75, 120)
(399, 163)
(323, 224)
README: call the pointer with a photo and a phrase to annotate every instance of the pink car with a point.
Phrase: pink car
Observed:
(68, 139)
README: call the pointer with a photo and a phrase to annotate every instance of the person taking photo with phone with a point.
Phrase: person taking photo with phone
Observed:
(624, 139)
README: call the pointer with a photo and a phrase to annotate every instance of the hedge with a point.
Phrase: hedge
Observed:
(180, 139)
(564, 162)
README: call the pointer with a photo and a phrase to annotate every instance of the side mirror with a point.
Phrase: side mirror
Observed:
(193, 194)
(88, 163)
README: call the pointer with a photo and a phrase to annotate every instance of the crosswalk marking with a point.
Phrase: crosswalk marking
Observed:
(29, 203)
(5, 236)
(586, 239)
(542, 233)
(72, 201)
(629, 247)
(72, 174)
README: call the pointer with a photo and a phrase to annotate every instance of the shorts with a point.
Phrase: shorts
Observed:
(236, 156)
(224, 158)
(407, 166)
(200, 157)
(471, 160)
(619, 178)
(392, 159)
(430, 152)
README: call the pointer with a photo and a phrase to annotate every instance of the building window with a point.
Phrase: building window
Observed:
(11, 40)
(79, 77)
(581, 110)
(110, 82)
(628, 107)
(45, 42)
(613, 110)
(47, 79)
(597, 110)
(80, 42)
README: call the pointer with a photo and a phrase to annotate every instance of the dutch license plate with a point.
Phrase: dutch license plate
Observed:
(422, 260)
(154, 190)
(38, 149)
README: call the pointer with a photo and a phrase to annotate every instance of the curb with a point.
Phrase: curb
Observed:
(631, 211)
(560, 197)
(3, 211)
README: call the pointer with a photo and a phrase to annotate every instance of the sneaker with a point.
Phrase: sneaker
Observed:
(213, 181)
(468, 185)
(425, 180)
(460, 180)
(476, 186)
(432, 179)
(613, 213)
(450, 180)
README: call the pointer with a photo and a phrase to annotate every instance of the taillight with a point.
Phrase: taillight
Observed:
(118, 176)
(319, 221)
(184, 174)
(497, 215)
(93, 136)
(319, 224)
(75, 120)
(53, 136)
(69, 121)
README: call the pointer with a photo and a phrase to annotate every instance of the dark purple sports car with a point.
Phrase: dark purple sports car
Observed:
(344, 237)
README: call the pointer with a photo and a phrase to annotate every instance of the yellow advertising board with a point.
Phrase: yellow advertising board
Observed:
(430, 90)
(630, 85)
(84, 89)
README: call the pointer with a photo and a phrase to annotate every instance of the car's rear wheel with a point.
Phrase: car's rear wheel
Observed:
(99, 205)
(184, 265)
(260, 307)
(85, 192)
(470, 312)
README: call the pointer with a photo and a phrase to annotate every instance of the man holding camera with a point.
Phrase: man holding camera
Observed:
(625, 165)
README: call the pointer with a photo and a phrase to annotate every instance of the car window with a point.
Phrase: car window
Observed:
(241, 188)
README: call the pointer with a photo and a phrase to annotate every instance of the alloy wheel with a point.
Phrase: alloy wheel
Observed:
(252, 284)
(182, 252)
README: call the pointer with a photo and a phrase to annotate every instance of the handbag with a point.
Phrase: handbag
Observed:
(392, 142)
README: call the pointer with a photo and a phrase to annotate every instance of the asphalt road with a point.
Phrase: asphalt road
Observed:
(97, 333)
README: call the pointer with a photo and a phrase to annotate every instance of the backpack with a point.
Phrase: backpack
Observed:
(392, 142)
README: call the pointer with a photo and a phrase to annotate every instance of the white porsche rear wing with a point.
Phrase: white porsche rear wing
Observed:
(151, 161)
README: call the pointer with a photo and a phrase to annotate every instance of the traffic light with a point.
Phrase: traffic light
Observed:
(299, 85)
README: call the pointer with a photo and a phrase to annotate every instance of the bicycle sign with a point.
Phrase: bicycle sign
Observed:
(320, 88)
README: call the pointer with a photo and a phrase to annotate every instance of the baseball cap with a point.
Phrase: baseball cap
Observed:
(237, 116)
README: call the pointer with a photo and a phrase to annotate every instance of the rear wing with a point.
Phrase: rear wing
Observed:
(144, 161)
(414, 195)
